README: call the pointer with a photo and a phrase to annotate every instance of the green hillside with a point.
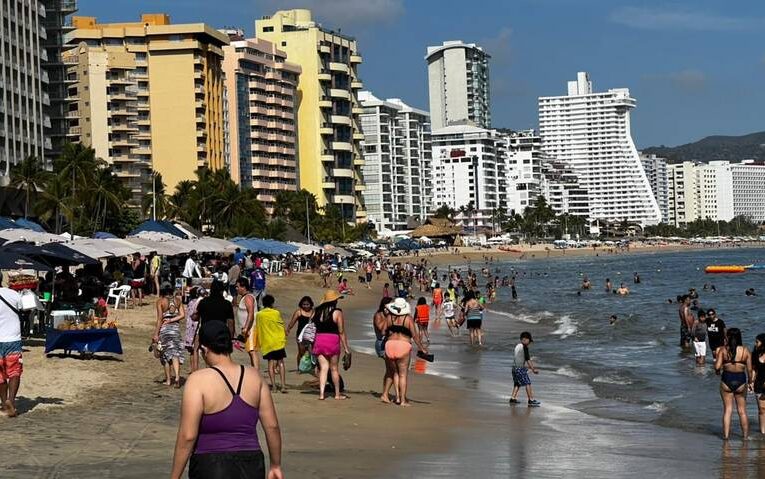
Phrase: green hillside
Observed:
(734, 148)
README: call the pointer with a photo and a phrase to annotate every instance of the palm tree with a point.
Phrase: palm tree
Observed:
(28, 176)
(76, 161)
(107, 194)
(180, 201)
(55, 201)
(160, 208)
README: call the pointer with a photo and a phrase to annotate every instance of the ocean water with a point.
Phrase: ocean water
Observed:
(618, 400)
(635, 363)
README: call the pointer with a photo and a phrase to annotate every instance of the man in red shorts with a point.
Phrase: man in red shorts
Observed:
(10, 350)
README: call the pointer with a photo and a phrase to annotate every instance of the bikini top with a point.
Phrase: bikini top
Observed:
(728, 361)
(399, 329)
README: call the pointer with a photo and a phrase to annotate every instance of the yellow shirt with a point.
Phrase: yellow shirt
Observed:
(271, 333)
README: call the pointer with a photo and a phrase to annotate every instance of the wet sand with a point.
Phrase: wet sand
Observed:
(111, 418)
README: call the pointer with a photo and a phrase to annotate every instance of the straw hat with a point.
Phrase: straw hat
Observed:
(399, 307)
(330, 296)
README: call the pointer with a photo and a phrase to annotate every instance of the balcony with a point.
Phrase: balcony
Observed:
(342, 146)
(356, 58)
(347, 199)
(357, 110)
(324, 75)
(327, 157)
(340, 120)
(328, 183)
(360, 187)
(325, 49)
(357, 84)
(358, 136)
(338, 93)
(326, 129)
(342, 172)
(73, 114)
(325, 102)
(338, 67)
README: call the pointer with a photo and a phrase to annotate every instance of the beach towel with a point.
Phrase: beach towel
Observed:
(270, 327)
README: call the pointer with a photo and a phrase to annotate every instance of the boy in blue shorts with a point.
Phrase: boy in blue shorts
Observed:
(521, 365)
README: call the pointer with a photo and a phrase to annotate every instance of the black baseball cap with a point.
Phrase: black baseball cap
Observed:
(527, 335)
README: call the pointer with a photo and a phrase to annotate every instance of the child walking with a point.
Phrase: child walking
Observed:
(521, 365)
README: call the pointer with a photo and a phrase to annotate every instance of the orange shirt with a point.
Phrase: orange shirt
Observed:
(423, 313)
(437, 295)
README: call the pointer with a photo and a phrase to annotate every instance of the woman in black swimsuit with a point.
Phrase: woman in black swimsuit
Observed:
(734, 361)
(301, 316)
(757, 380)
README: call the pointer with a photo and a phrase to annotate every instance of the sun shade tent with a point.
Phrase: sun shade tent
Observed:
(54, 254)
(263, 245)
(158, 227)
(105, 248)
(103, 235)
(10, 260)
(30, 225)
(20, 234)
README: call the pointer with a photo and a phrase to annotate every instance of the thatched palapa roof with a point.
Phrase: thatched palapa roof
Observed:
(436, 228)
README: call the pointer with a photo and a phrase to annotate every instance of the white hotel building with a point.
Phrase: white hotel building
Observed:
(397, 162)
(524, 169)
(590, 132)
(655, 169)
(749, 190)
(700, 191)
(469, 167)
(458, 84)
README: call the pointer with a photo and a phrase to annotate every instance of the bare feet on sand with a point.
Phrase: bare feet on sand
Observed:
(9, 410)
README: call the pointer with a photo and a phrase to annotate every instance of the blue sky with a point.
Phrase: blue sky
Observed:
(696, 67)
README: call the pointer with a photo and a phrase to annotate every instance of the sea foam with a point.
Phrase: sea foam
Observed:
(566, 326)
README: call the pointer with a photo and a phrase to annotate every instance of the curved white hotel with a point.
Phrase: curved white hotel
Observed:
(591, 133)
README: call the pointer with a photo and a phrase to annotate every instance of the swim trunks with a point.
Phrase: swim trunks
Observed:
(521, 377)
(11, 363)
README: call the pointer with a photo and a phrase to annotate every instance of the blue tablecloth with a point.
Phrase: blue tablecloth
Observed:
(85, 341)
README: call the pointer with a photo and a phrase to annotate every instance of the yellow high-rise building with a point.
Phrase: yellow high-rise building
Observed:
(329, 135)
(148, 95)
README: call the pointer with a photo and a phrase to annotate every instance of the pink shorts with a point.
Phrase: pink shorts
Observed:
(11, 364)
(326, 344)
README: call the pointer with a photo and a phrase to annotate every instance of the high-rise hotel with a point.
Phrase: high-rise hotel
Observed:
(458, 84)
(148, 96)
(590, 132)
(30, 46)
(262, 95)
(329, 135)
(397, 162)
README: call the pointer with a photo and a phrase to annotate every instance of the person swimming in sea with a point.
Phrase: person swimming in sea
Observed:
(623, 290)
(750, 292)
(586, 283)
(609, 285)
(612, 319)
(636, 278)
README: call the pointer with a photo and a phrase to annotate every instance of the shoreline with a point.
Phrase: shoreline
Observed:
(109, 417)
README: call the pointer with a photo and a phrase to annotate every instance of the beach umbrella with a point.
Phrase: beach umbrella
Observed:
(14, 261)
(54, 254)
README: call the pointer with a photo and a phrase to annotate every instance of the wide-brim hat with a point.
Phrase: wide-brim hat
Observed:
(399, 307)
(330, 296)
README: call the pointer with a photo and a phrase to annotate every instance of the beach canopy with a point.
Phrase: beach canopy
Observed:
(20, 234)
(14, 261)
(103, 235)
(265, 245)
(7, 223)
(106, 248)
(158, 227)
(30, 225)
(55, 254)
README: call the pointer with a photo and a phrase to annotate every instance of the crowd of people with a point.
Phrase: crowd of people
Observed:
(741, 370)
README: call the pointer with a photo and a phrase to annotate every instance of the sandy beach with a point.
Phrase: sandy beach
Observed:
(109, 417)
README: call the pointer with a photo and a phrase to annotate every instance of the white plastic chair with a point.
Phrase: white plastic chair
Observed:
(119, 293)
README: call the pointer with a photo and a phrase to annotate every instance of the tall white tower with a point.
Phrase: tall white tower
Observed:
(590, 132)
(458, 84)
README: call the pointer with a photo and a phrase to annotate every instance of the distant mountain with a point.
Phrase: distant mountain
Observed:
(734, 148)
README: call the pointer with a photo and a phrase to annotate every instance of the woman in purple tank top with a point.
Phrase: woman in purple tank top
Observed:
(219, 416)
